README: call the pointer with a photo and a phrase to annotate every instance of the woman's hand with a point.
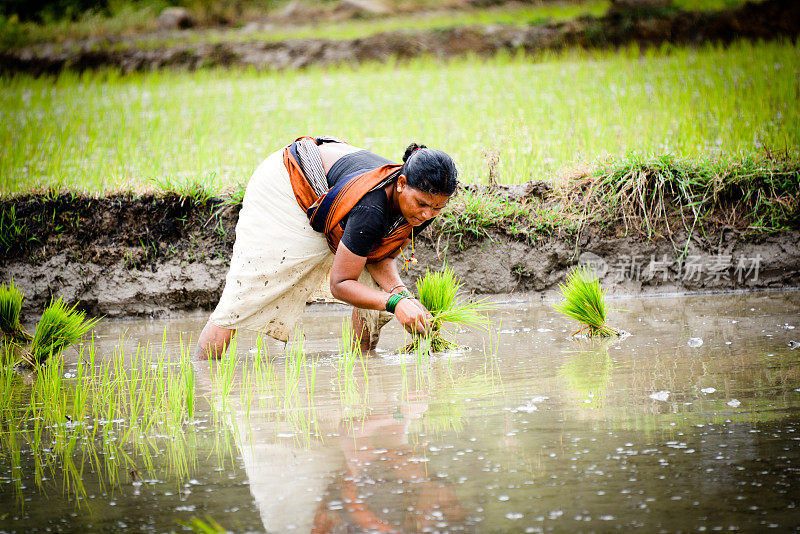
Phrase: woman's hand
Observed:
(413, 316)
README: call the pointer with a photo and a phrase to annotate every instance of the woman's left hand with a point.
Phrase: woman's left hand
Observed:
(413, 316)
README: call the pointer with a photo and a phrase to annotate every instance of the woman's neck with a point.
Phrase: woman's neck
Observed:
(391, 196)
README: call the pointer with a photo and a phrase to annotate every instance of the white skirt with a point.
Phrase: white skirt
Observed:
(279, 262)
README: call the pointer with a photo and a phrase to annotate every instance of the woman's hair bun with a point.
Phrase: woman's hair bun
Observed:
(430, 170)
(410, 150)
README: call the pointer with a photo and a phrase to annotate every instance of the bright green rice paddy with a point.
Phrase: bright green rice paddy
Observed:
(102, 131)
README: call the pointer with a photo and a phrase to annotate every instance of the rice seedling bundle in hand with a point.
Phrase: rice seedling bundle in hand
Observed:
(584, 301)
(59, 327)
(10, 309)
(438, 292)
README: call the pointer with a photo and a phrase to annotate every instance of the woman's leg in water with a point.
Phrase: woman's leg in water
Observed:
(361, 334)
(213, 341)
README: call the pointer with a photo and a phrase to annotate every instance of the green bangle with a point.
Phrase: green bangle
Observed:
(391, 304)
(406, 293)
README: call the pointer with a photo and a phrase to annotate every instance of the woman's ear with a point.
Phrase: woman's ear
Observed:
(402, 182)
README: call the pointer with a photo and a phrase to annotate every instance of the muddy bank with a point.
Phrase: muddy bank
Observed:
(150, 255)
(766, 20)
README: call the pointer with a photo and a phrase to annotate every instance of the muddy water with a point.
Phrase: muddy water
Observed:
(690, 424)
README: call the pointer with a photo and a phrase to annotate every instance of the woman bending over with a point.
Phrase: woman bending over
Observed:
(321, 208)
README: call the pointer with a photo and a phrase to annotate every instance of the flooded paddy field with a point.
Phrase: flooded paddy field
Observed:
(691, 423)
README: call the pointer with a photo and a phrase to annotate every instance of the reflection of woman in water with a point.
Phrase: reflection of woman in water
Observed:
(322, 206)
(293, 482)
(377, 454)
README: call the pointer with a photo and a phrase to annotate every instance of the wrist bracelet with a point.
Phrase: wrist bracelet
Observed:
(395, 287)
(393, 301)
(406, 293)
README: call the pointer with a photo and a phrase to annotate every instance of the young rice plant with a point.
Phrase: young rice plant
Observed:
(59, 327)
(584, 301)
(437, 292)
(10, 309)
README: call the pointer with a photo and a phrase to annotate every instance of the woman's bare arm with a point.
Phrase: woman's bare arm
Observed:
(345, 286)
(385, 272)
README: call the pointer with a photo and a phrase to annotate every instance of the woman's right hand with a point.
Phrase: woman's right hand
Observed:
(413, 316)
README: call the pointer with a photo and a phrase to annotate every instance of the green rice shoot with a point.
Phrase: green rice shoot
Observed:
(584, 301)
(10, 310)
(438, 291)
(60, 327)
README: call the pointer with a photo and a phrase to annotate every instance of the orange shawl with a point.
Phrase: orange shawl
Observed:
(327, 211)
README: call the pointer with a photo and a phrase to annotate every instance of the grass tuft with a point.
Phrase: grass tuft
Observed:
(10, 310)
(60, 327)
(584, 301)
(13, 232)
(198, 190)
(236, 196)
(666, 193)
(472, 214)
(438, 292)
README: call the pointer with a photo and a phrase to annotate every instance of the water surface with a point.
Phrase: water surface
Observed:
(690, 424)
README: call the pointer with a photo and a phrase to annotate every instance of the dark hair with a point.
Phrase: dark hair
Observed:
(429, 170)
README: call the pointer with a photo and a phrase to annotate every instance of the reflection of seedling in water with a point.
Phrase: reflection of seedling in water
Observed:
(588, 374)
(584, 301)
(209, 526)
(10, 310)
(437, 292)
(349, 354)
(450, 400)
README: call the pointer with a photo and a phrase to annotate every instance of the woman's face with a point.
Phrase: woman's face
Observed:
(418, 206)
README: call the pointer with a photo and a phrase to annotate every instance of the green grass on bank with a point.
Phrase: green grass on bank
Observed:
(665, 194)
(679, 199)
(653, 196)
(128, 19)
(512, 117)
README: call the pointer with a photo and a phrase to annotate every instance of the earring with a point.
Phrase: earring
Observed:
(399, 189)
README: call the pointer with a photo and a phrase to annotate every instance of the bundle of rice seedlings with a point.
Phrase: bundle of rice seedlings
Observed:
(584, 301)
(437, 292)
(10, 308)
(60, 327)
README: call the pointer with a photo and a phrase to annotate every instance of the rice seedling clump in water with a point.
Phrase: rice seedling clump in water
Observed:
(59, 327)
(584, 301)
(437, 292)
(10, 309)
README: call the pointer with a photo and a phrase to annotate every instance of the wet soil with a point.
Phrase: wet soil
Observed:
(647, 27)
(152, 255)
